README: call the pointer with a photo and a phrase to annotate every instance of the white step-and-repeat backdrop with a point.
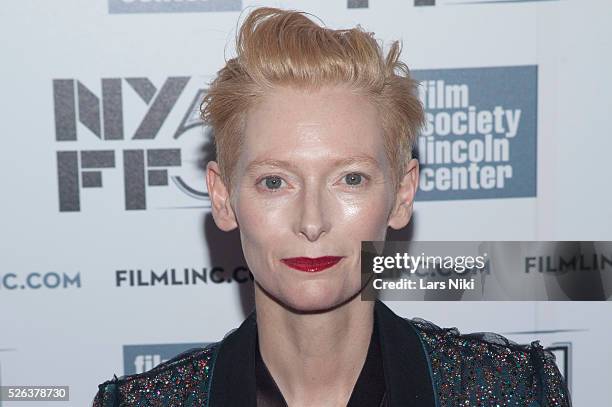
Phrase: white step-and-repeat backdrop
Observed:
(110, 261)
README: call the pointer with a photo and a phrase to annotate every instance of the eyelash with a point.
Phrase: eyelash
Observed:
(367, 178)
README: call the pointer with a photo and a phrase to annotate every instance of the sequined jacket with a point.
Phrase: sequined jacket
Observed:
(423, 365)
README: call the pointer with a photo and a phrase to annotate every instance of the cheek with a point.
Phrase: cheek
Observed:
(261, 225)
(364, 218)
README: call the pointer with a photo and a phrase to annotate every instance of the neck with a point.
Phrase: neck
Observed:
(316, 358)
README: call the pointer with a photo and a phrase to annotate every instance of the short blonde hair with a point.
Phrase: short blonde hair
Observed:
(285, 48)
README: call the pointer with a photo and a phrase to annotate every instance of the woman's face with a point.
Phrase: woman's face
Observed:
(312, 180)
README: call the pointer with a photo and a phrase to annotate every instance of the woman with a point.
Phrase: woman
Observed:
(314, 129)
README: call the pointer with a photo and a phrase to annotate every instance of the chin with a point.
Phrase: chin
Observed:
(314, 297)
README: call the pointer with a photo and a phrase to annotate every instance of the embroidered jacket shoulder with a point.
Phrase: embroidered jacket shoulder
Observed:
(488, 369)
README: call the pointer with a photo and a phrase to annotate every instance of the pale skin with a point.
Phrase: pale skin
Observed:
(314, 330)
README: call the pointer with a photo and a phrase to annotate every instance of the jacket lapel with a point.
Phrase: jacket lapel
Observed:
(405, 364)
(233, 377)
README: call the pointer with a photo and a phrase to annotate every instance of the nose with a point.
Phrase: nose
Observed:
(314, 215)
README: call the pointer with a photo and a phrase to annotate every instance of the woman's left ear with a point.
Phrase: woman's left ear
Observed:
(404, 198)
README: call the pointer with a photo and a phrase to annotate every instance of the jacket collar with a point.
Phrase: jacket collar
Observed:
(405, 364)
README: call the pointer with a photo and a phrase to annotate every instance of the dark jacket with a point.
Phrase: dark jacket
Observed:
(423, 365)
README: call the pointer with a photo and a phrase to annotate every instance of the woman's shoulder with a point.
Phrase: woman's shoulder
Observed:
(486, 364)
(183, 380)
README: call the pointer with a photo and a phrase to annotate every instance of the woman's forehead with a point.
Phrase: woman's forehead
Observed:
(314, 122)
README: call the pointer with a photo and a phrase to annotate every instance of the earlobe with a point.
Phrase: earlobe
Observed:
(222, 210)
(402, 211)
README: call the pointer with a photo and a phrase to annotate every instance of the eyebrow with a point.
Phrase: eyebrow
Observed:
(342, 162)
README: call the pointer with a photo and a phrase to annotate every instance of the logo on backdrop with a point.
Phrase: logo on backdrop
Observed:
(131, 129)
(480, 135)
(171, 6)
(459, 2)
(189, 6)
(181, 277)
(141, 358)
(40, 281)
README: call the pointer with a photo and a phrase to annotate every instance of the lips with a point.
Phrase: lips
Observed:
(311, 265)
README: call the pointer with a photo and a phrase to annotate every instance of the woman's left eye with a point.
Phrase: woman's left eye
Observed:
(354, 178)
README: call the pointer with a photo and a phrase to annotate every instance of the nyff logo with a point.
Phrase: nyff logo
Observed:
(84, 118)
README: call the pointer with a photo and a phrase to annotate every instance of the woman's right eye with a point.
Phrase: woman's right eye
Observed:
(272, 182)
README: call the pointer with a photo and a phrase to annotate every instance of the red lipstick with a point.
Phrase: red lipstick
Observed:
(311, 265)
